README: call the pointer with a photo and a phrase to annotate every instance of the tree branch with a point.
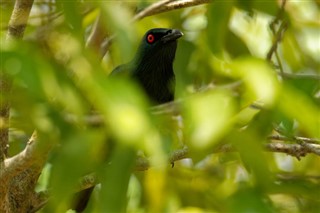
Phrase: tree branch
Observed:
(279, 33)
(150, 10)
(294, 139)
(295, 150)
(166, 6)
(35, 155)
(97, 36)
(5, 85)
(16, 27)
(19, 176)
(19, 18)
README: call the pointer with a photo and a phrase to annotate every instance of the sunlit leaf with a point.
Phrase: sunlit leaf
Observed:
(209, 118)
(258, 77)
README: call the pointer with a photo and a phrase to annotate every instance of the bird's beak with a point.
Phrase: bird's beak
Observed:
(172, 35)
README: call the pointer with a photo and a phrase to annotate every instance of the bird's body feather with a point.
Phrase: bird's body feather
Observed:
(152, 66)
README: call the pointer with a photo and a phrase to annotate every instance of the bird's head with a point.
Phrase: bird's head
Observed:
(160, 44)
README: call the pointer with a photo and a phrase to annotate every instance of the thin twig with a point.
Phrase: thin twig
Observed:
(97, 36)
(169, 6)
(279, 33)
(277, 39)
(294, 139)
(150, 10)
(287, 75)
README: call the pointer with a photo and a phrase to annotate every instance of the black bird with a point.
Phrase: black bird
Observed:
(152, 68)
(152, 65)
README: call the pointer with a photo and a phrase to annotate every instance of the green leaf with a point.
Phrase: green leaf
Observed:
(235, 45)
(219, 13)
(259, 78)
(182, 62)
(249, 200)
(270, 7)
(80, 154)
(116, 180)
(291, 51)
(297, 105)
(209, 117)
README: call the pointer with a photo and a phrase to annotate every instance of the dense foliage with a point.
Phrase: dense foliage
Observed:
(246, 72)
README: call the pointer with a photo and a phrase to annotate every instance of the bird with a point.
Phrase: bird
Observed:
(152, 69)
(152, 65)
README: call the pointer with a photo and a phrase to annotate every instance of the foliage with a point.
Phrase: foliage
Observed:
(221, 69)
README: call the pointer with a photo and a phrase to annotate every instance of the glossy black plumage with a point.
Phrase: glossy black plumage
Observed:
(152, 65)
(152, 68)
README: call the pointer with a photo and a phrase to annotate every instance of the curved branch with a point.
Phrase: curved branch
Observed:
(19, 18)
(16, 27)
(150, 10)
(35, 154)
(166, 6)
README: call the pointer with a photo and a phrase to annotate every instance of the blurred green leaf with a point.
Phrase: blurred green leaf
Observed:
(292, 52)
(72, 15)
(80, 154)
(270, 7)
(218, 18)
(116, 180)
(296, 105)
(307, 85)
(259, 78)
(249, 200)
(209, 118)
(235, 45)
(183, 76)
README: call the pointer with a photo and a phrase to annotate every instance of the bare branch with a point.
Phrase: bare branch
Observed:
(296, 150)
(150, 10)
(166, 6)
(19, 175)
(5, 85)
(41, 200)
(278, 34)
(35, 154)
(97, 36)
(295, 139)
(16, 27)
(19, 18)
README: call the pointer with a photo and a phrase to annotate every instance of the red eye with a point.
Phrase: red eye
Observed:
(150, 38)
